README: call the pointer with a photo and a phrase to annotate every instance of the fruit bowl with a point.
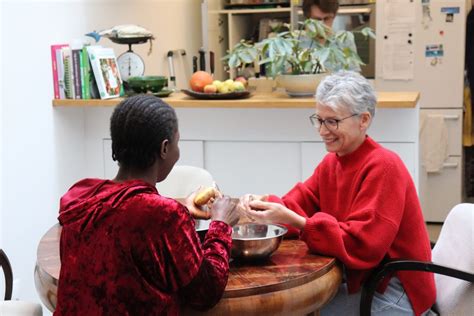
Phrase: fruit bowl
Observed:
(144, 84)
(217, 96)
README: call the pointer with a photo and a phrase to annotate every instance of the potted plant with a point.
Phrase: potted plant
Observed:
(309, 52)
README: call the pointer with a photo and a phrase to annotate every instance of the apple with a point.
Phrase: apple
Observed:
(210, 88)
(223, 89)
(238, 86)
(218, 84)
(243, 80)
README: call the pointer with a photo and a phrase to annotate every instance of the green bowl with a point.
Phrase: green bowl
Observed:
(144, 84)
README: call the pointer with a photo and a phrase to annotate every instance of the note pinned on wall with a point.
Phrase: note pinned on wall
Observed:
(398, 46)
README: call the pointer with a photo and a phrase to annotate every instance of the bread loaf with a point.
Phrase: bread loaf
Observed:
(204, 196)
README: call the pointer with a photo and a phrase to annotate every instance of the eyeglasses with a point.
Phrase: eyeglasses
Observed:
(331, 124)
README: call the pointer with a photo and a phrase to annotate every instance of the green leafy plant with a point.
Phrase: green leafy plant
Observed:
(312, 48)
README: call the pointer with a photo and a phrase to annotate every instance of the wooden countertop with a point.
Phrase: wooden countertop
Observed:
(272, 100)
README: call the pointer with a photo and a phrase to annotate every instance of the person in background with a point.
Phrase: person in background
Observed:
(360, 205)
(326, 11)
(322, 10)
(127, 250)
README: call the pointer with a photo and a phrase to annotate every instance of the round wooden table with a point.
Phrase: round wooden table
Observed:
(292, 281)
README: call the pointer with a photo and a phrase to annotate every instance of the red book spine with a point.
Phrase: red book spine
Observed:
(54, 64)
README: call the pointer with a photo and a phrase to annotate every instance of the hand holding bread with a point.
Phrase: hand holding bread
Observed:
(204, 196)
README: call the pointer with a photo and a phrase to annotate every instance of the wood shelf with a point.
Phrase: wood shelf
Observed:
(253, 11)
(272, 100)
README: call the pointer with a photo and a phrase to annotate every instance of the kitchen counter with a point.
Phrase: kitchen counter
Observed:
(272, 100)
(263, 144)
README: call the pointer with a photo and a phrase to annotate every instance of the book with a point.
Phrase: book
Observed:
(76, 67)
(60, 65)
(68, 72)
(85, 74)
(106, 72)
(58, 70)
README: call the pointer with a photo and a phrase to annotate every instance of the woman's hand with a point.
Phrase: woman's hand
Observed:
(268, 212)
(224, 210)
(244, 201)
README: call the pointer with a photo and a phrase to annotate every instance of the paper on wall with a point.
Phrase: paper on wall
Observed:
(398, 61)
(398, 52)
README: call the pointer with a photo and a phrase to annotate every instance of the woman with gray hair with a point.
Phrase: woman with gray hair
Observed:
(360, 205)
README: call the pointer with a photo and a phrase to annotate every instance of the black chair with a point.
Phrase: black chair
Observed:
(8, 273)
(454, 285)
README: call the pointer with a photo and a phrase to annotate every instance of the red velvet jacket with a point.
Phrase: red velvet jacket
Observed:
(362, 208)
(126, 250)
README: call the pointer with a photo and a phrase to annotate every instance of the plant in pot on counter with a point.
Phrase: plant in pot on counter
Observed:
(312, 50)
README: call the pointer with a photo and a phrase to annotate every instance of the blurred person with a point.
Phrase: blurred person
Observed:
(326, 11)
(127, 250)
(359, 206)
(322, 10)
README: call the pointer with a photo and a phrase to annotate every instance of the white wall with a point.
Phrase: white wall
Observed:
(42, 148)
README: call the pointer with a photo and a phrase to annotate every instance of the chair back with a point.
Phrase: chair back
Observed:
(7, 276)
(7, 306)
(455, 248)
(183, 180)
(20, 308)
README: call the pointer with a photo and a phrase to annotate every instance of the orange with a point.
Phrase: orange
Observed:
(199, 80)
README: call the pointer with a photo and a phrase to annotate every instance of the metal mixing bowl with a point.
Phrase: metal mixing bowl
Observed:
(202, 226)
(256, 241)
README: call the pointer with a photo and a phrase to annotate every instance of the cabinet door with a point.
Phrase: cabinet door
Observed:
(453, 122)
(253, 167)
(191, 153)
(440, 191)
(311, 155)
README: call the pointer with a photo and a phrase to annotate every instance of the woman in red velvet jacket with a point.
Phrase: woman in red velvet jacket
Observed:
(360, 205)
(127, 250)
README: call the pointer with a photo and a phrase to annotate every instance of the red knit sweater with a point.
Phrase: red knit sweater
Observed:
(362, 208)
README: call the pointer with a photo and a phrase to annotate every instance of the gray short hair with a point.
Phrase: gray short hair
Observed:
(347, 89)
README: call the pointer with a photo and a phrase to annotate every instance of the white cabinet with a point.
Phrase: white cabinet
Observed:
(442, 190)
(439, 191)
(253, 167)
(249, 150)
(191, 153)
(311, 155)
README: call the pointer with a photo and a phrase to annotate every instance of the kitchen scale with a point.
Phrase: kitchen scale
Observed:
(130, 63)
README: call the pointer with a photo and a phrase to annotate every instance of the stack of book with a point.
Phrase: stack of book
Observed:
(85, 72)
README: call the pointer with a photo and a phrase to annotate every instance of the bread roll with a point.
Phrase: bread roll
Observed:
(204, 196)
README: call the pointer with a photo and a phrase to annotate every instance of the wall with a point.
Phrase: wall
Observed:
(42, 148)
(1, 136)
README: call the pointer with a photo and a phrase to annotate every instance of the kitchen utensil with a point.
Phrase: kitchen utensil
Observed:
(195, 64)
(172, 75)
(202, 59)
(256, 241)
(211, 62)
(144, 84)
